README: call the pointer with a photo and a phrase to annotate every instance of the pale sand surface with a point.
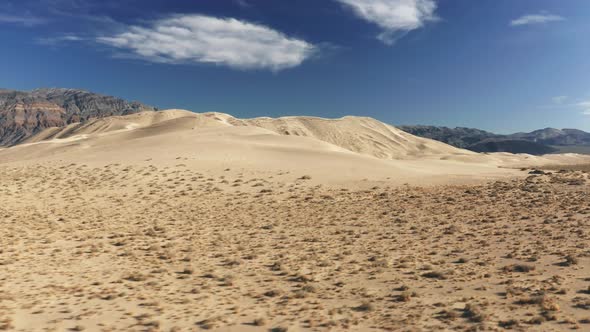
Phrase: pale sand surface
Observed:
(338, 151)
(179, 221)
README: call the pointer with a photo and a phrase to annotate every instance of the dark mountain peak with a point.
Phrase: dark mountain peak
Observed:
(574, 131)
(44, 92)
(552, 136)
(547, 131)
(54, 90)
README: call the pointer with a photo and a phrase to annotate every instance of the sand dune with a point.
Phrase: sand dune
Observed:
(107, 125)
(332, 151)
(362, 135)
(358, 134)
(351, 149)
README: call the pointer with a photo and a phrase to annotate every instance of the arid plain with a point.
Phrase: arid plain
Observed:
(176, 221)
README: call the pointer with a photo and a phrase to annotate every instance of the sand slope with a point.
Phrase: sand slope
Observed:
(332, 151)
(358, 134)
(362, 135)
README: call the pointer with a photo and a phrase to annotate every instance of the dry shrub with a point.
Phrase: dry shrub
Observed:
(474, 312)
(522, 268)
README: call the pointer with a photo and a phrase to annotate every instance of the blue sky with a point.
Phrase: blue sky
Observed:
(500, 65)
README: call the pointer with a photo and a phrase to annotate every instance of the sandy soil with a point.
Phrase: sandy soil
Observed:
(176, 225)
(148, 248)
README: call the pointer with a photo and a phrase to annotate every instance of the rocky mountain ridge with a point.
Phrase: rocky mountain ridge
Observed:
(538, 142)
(26, 113)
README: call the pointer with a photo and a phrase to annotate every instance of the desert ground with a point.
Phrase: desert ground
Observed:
(184, 222)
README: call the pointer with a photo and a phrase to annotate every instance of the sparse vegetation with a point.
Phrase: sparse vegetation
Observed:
(475, 313)
(259, 322)
(436, 275)
(522, 268)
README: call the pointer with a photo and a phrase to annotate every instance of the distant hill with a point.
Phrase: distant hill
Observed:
(459, 137)
(543, 141)
(512, 146)
(23, 114)
(552, 136)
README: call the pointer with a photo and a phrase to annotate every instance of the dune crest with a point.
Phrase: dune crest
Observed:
(358, 134)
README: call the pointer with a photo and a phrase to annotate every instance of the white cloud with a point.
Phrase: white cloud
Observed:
(242, 3)
(559, 99)
(54, 41)
(26, 20)
(584, 106)
(395, 17)
(541, 18)
(204, 39)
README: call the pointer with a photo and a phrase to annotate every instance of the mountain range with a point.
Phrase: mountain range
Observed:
(538, 142)
(24, 114)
